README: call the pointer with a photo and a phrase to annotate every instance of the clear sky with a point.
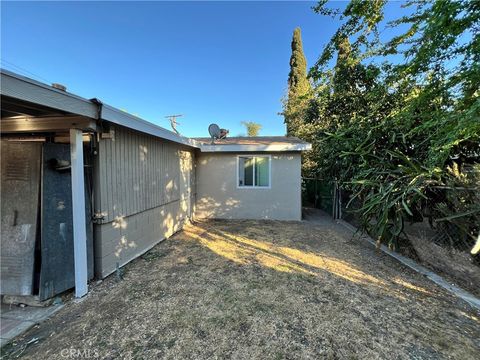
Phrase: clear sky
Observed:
(222, 62)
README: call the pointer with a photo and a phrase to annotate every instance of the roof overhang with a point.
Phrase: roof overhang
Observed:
(23, 89)
(47, 108)
(255, 148)
(123, 118)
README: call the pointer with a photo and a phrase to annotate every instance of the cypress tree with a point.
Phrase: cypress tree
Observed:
(298, 85)
(345, 74)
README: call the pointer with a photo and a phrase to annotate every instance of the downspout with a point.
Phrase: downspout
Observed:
(99, 109)
(97, 216)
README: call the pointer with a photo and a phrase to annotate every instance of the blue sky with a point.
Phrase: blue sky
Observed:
(222, 62)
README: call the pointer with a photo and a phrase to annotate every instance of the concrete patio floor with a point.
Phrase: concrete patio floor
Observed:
(15, 320)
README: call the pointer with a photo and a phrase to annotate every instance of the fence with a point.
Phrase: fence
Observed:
(320, 194)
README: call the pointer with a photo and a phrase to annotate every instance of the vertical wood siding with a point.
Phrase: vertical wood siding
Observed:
(138, 172)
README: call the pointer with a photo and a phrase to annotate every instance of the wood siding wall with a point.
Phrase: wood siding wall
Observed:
(143, 189)
(138, 172)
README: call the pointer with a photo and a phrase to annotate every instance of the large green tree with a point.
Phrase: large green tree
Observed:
(403, 135)
(299, 87)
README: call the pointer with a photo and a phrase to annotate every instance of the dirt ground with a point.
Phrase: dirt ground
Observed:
(260, 290)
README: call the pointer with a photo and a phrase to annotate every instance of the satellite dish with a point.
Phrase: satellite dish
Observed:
(214, 131)
(217, 133)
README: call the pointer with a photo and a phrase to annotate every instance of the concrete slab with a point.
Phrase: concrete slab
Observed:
(8, 324)
(11, 328)
(15, 320)
(30, 300)
(28, 313)
(3, 342)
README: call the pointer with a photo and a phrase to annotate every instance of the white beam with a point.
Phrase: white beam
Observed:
(38, 124)
(79, 220)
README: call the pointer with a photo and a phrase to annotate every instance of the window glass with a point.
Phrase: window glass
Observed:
(253, 171)
(261, 171)
(248, 170)
(245, 171)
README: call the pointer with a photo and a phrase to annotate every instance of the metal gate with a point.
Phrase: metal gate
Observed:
(318, 193)
(323, 194)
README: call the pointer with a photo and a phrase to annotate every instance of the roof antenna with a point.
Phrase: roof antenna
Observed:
(173, 122)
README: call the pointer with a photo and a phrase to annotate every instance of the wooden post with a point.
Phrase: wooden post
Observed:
(79, 217)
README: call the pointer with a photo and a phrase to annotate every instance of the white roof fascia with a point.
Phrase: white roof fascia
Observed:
(23, 88)
(255, 148)
(123, 118)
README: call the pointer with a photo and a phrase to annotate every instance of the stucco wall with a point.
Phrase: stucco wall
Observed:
(143, 190)
(219, 197)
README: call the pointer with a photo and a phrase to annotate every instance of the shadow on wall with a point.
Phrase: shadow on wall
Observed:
(231, 208)
(208, 207)
(123, 244)
(147, 191)
(220, 197)
(243, 250)
(138, 172)
(138, 233)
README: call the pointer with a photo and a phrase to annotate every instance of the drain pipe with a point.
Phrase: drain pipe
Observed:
(97, 215)
(99, 108)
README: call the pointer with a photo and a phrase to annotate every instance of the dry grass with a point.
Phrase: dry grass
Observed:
(454, 265)
(252, 289)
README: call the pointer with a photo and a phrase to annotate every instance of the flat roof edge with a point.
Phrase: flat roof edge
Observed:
(255, 148)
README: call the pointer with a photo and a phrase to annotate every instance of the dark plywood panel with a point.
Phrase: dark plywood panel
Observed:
(57, 270)
(20, 183)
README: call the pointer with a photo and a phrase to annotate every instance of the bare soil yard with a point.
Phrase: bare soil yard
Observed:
(261, 289)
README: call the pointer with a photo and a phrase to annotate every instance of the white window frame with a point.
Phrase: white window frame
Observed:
(254, 186)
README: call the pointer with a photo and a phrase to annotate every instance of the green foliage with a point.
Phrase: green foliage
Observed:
(402, 136)
(253, 129)
(298, 86)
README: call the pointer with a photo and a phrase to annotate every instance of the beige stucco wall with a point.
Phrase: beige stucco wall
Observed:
(219, 197)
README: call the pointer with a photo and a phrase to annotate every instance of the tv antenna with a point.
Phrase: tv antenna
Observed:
(173, 121)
